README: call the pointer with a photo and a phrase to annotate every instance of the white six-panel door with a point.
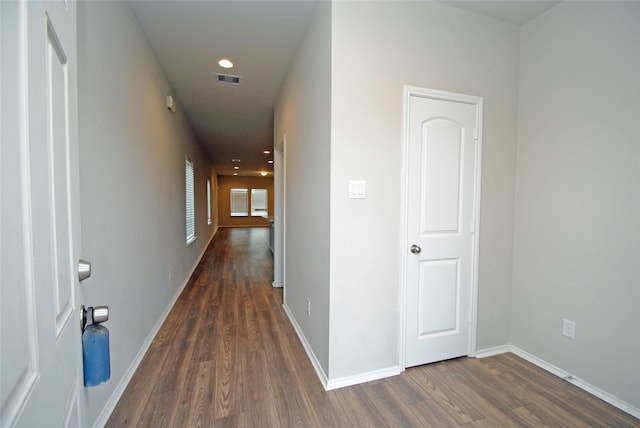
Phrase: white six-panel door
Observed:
(442, 184)
(41, 339)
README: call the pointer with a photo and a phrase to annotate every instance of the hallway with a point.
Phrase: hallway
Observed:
(228, 356)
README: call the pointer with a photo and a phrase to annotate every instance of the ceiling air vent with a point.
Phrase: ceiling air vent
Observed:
(232, 80)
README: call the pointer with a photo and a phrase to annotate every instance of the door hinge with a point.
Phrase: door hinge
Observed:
(472, 227)
(475, 133)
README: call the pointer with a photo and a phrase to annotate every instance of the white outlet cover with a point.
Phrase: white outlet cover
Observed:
(569, 329)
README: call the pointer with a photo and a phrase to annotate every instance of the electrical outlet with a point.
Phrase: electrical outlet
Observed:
(308, 307)
(569, 329)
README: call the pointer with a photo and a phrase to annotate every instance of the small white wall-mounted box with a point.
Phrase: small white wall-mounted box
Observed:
(569, 328)
(357, 189)
(171, 104)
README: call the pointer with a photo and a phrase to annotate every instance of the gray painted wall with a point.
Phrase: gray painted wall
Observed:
(377, 47)
(303, 114)
(132, 153)
(561, 104)
(341, 111)
(577, 228)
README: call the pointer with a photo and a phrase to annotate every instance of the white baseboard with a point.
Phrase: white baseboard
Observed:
(305, 344)
(496, 350)
(329, 384)
(104, 415)
(362, 378)
(586, 386)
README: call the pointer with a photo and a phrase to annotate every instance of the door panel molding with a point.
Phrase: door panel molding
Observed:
(443, 275)
(58, 134)
(432, 220)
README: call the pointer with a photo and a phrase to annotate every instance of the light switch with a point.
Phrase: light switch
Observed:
(357, 189)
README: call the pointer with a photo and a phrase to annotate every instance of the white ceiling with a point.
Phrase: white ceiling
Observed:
(515, 12)
(261, 38)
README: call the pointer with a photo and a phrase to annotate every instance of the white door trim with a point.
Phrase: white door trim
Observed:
(412, 91)
(279, 214)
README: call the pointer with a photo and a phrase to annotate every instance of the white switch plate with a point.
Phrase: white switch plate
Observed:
(357, 189)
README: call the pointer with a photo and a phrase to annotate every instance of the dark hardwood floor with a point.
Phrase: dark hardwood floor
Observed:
(227, 357)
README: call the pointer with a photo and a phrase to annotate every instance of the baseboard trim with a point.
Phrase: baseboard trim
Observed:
(329, 384)
(580, 383)
(490, 352)
(104, 415)
(305, 344)
(362, 378)
(232, 226)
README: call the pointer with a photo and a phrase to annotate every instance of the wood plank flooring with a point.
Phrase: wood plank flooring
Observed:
(227, 357)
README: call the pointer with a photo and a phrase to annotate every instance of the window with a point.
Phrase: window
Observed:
(239, 203)
(208, 201)
(259, 203)
(190, 205)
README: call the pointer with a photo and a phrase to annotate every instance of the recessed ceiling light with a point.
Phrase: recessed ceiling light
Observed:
(235, 173)
(264, 174)
(269, 161)
(266, 152)
(235, 160)
(236, 167)
(225, 63)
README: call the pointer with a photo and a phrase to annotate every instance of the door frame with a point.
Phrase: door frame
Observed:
(408, 93)
(279, 214)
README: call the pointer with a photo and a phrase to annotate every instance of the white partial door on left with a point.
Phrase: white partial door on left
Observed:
(442, 191)
(41, 355)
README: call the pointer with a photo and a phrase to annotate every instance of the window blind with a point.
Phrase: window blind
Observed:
(190, 205)
(208, 201)
(239, 204)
